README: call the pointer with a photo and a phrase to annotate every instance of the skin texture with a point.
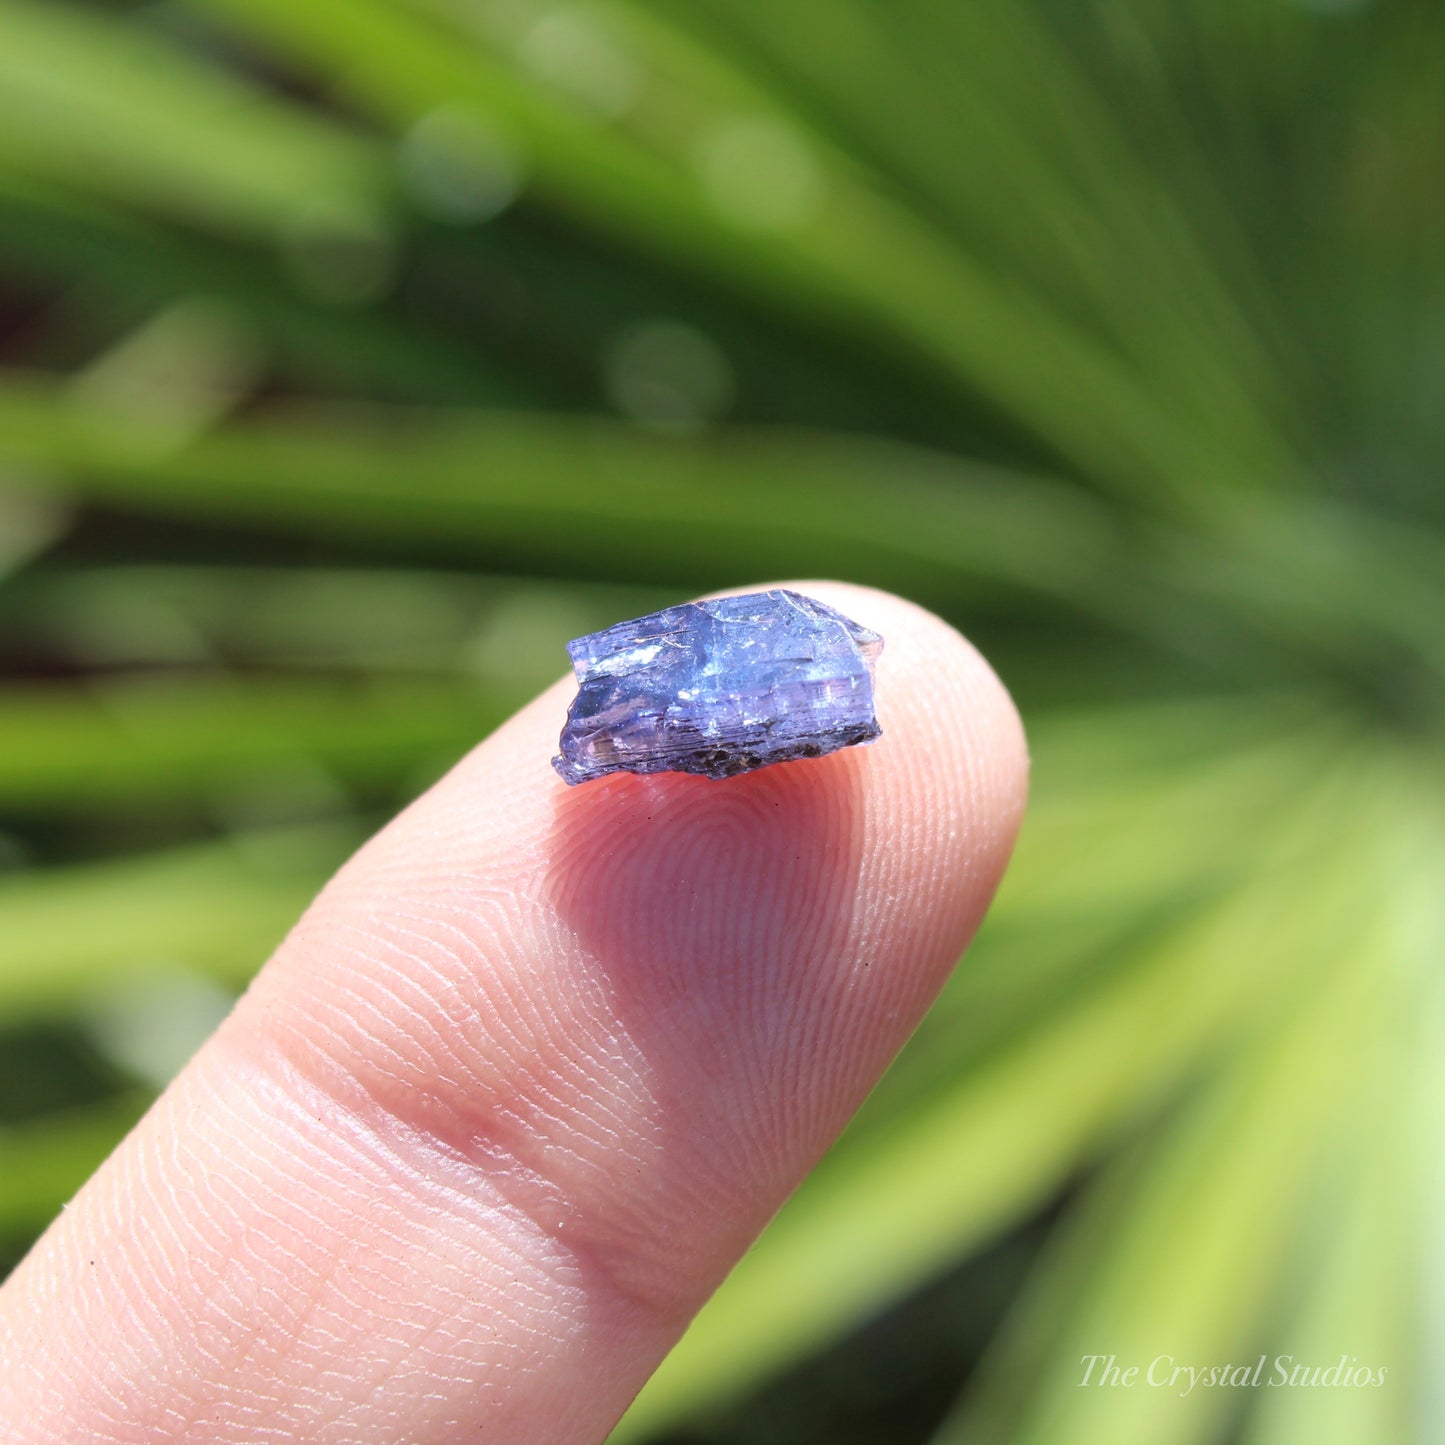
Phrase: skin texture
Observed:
(521, 1086)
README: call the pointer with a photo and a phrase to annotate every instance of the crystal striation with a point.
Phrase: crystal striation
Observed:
(719, 688)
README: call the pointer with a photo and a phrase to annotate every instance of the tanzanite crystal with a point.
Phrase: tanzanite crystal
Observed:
(719, 688)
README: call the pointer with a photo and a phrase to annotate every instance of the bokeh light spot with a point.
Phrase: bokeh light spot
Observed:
(760, 173)
(457, 168)
(151, 1029)
(571, 50)
(668, 376)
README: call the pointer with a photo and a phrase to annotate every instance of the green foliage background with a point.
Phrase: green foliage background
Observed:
(359, 352)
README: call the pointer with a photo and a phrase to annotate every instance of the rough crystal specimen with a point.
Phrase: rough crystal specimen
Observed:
(719, 688)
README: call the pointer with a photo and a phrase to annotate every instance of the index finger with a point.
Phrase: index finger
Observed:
(523, 1084)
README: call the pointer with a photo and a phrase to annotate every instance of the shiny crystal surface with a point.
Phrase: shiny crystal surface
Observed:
(719, 688)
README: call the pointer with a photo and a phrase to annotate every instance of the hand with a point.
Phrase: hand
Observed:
(521, 1086)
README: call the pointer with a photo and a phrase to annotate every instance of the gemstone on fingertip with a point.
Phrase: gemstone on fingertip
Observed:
(719, 688)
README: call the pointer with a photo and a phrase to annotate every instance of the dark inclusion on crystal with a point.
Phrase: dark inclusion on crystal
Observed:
(719, 688)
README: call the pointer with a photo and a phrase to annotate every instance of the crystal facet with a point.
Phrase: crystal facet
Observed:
(719, 688)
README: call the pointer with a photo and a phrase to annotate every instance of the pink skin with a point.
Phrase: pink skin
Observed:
(522, 1085)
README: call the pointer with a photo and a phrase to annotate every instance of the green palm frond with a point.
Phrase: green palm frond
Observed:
(363, 352)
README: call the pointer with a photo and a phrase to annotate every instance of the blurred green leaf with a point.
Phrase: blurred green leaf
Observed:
(218, 908)
(489, 632)
(132, 740)
(47, 1160)
(103, 105)
(1227, 1182)
(582, 492)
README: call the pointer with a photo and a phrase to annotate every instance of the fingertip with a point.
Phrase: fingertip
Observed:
(951, 770)
(535, 1069)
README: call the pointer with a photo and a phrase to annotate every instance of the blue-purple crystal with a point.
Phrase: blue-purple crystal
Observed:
(719, 688)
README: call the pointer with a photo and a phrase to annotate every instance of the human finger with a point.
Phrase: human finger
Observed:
(523, 1084)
